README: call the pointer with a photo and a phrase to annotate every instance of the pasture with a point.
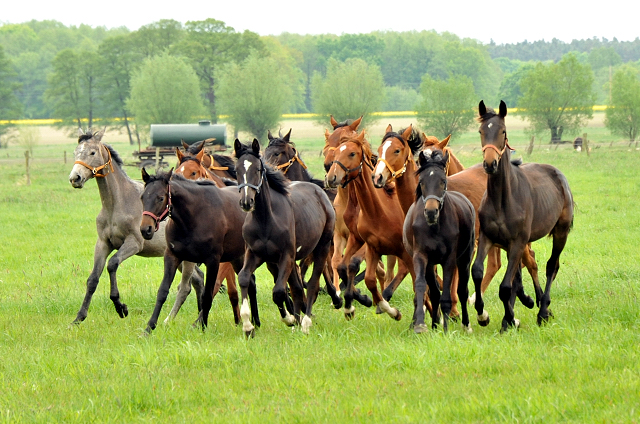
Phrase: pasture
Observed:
(584, 366)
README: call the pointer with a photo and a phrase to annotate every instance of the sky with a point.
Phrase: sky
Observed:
(502, 22)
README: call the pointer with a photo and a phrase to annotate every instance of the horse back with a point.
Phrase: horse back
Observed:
(314, 216)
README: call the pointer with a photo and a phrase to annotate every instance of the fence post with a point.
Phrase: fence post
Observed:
(157, 158)
(65, 157)
(26, 157)
(585, 143)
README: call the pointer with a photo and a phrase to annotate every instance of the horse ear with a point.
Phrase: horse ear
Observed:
(286, 137)
(445, 159)
(389, 129)
(269, 136)
(503, 109)
(444, 142)
(200, 155)
(80, 131)
(168, 175)
(407, 133)
(98, 136)
(255, 146)
(237, 146)
(355, 124)
(361, 136)
(145, 176)
(482, 109)
(179, 154)
(326, 134)
(185, 145)
(334, 123)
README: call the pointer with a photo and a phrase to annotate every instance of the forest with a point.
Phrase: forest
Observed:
(49, 70)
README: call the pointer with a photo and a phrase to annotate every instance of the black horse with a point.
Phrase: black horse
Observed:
(522, 204)
(439, 230)
(285, 222)
(204, 228)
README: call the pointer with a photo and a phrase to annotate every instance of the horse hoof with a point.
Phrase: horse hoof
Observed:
(420, 328)
(250, 334)
(467, 329)
(542, 319)
(349, 315)
(123, 311)
(483, 320)
(398, 316)
(528, 302)
(506, 326)
(367, 302)
(378, 310)
(289, 320)
(337, 302)
(454, 316)
(306, 324)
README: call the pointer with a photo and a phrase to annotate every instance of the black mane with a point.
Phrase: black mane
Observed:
(344, 124)
(488, 115)
(415, 142)
(227, 161)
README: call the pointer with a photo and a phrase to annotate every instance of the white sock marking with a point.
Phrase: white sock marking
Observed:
(245, 314)
(306, 324)
(472, 299)
(384, 307)
(484, 316)
(288, 318)
(350, 310)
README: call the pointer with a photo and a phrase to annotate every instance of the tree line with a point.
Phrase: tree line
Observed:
(169, 72)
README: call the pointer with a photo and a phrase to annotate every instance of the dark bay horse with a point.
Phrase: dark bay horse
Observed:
(118, 222)
(285, 222)
(203, 228)
(522, 204)
(439, 230)
(378, 222)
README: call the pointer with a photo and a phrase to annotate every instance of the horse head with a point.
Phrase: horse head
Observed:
(280, 150)
(493, 135)
(394, 154)
(92, 158)
(350, 156)
(432, 183)
(156, 201)
(341, 130)
(251, 173)
(190, 165)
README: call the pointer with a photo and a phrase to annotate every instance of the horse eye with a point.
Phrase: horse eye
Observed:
(352, 154)
(93, 153)
(397, 151)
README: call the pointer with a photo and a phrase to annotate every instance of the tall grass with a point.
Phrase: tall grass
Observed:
(582, 367)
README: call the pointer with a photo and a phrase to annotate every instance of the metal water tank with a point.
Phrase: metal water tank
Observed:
(171, 135)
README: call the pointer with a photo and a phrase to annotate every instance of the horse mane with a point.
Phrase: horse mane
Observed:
(115, 157)
(488, 115)
(275, 178)
(161, 176)
(227, 161)
(195, 148)
(415, 141)
(344, 123)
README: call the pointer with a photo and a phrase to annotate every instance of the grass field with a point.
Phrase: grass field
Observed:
(582, 367)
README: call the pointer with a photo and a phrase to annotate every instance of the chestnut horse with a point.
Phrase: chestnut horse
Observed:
(439, 230)
(221, 165)
(379, 221)
(285, 222)
(118, 222)
(523, 203)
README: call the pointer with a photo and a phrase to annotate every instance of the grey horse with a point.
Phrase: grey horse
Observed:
(118, 222)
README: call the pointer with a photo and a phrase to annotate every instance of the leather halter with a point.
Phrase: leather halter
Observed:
(395, 174)
(263, 173)
(216, 168)
(95, 171)
(291, 161)
(433, 196)
(349, 171)
(500, 152)
(166, 213)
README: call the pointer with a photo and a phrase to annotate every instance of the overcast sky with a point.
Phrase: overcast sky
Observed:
(504, 22)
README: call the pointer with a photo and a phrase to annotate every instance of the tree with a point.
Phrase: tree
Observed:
(254, 94)
(210, 44)
(165, 91)
(447, 107)
(10, 107)
(558, 97)
(350, 90)
(510, 90)
(622, 117)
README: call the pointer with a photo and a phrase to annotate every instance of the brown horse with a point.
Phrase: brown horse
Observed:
(191, 167)
(344, 130)
(379, 221)
(471, 182)
(221, 165)
(523, 203)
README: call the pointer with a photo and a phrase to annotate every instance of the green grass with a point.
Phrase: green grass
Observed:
(582, 367)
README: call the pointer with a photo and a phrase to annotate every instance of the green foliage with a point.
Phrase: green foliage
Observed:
(254, 94)
(349, 90)
(400, 99)
(10, 107)
(558, 97)
(210, 44)
(165, 91)
(156, 38)
(510, 90)
(72, 90)
(287, 63)
(447, 106)
(622, 117)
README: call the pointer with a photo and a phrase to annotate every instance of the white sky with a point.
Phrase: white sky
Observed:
(504, 22)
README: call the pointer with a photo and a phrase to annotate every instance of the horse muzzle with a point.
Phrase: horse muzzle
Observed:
(247, 205)
(76, 179)
(490, 168)
(432, 215)
(378, 180)
(147, 231)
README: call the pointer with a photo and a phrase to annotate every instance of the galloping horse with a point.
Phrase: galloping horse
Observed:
(379, 221)
(285, 222)
(203, 228)
(523, 203)
(118, 222)
(439, 230)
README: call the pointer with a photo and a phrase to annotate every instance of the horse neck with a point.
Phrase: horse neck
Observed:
(117, 190)
(263, 210)
(367, 194)
(499, 183)
(297, 173)
(184, 208)
(406, 186)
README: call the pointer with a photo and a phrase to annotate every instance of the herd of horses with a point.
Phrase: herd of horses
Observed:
(412, 202)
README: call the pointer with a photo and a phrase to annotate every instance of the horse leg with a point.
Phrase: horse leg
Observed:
(462, 267)
(420, 291)
(484, 244)
(237, 265)
(339, 244)
(130, 247)
(279, 294)
(529, 260)
(403, 270)
(389, 272)
(434, 295)
(493, 265)
(347, 274)
(448, 271)
(372, 258)
(170, 267)
(184, 288)
(507, 289)
(553, 264)
(245, 280)
(226, 272)
(100, 254)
